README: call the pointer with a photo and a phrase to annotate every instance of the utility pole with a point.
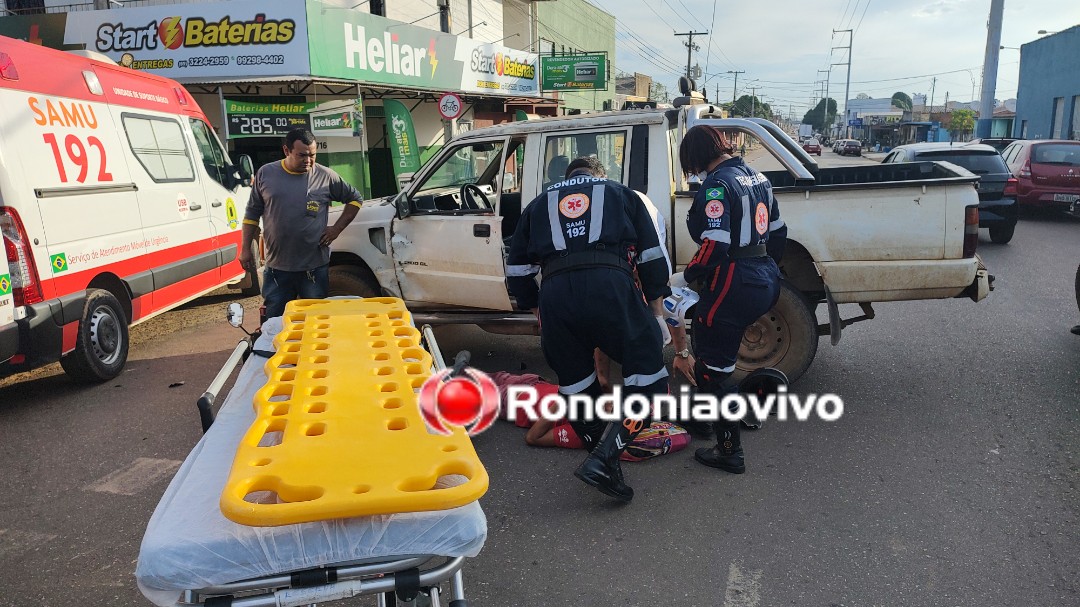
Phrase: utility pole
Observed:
(691, 47)
(847, 87)
(444, 16)
(734, 87)
(753, 101)
(930, 113)
(990, 69)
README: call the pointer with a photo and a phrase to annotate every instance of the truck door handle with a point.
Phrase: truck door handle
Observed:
(481, 230)
(195, 207)
(216, 204)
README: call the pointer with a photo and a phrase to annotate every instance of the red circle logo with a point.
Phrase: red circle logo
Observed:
(459, 402)
(470, 400)
(714, 209)
(761, 219)
(171, 33)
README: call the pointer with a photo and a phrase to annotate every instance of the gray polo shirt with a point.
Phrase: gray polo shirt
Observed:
(294, 208)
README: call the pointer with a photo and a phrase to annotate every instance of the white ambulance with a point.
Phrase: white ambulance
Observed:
(117, 202)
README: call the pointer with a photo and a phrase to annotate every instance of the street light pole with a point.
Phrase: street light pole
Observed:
(990, 69)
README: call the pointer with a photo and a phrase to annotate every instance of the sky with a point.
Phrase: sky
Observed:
(898, 45)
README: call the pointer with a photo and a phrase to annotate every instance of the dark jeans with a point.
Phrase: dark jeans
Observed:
(280, 287)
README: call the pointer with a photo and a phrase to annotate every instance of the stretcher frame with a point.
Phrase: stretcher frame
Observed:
(388, 579)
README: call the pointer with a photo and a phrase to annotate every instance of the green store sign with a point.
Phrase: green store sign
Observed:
(354, 45)
(574, 72)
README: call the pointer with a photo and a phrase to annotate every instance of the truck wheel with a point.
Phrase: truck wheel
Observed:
(785, 338)
(101, 348)
(1002, 234)
(255, 288)
(352, 280)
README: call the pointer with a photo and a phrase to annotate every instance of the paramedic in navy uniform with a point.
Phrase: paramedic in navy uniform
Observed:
(587, 234)
(736, 222)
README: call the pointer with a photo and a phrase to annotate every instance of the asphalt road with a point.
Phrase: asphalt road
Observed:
(950, 480)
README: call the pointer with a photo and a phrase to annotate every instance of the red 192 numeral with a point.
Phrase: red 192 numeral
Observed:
(76, 152)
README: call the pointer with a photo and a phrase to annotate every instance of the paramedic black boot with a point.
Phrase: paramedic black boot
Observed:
(601, 469)
(727, 455)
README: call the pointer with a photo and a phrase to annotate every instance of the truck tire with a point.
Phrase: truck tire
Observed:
(255, 288)
(352, 280)
(101, 349)
(1002, 234)
(786, 338)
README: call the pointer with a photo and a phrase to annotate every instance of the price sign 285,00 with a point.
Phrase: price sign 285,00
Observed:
(266, 125)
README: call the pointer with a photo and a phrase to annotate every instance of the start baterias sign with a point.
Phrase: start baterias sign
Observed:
(182, 41)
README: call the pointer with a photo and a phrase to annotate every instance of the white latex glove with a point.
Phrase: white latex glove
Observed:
(664, 332)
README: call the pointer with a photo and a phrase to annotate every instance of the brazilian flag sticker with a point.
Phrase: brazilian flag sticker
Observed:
(714, 194)
(230, 213)
(59, 263)
(5, 284)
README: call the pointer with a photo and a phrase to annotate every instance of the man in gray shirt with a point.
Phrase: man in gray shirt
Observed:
(292, 197)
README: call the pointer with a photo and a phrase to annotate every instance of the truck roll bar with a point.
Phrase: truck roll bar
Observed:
(795, 160)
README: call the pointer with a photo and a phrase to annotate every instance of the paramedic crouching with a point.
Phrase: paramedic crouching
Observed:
(587, 234)
(292, 197)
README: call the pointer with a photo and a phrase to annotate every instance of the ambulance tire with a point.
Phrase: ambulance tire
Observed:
(785, 338)
(101, 348)
(358, 281)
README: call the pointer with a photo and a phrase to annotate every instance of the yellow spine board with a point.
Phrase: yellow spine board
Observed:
(338, 432)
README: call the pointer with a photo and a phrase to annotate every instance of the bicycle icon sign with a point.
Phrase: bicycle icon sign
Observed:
(450, 106)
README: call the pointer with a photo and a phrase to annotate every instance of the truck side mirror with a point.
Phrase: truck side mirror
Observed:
(404, 205)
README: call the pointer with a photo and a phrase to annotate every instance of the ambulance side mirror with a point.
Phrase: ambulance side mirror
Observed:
(246, 170)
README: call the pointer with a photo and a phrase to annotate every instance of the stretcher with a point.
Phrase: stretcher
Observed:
(192, 554)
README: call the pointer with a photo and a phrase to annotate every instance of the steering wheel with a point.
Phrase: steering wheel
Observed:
(472, 195)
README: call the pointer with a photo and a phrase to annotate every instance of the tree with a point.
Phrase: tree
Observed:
(748, 104)
(902, 101)
(962, 121)
(821, 116)
(659, 93)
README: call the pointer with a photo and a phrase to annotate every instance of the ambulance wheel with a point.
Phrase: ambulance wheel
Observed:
(785, 338)
(101, 348)
(352, 280)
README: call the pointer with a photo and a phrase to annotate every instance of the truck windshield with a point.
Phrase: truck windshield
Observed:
(466, 165)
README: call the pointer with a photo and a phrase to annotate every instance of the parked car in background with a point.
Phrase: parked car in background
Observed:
(850, 146)
(998, 143)
(812, 146)
(836, 145)
(1047, 172)
(998, 208)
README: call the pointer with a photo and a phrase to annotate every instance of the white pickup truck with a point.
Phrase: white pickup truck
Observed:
(859, 234)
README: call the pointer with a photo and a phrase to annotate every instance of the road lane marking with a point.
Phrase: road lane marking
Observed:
(14, 543)
(743, 587)
(141, 474)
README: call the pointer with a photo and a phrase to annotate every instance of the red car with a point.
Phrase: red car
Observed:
(1047, 172)
(811, 146)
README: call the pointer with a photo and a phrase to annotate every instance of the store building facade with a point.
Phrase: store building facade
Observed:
(368, 86)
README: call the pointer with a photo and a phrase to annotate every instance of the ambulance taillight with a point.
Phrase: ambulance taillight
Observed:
(7, 67)
(25, 285)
